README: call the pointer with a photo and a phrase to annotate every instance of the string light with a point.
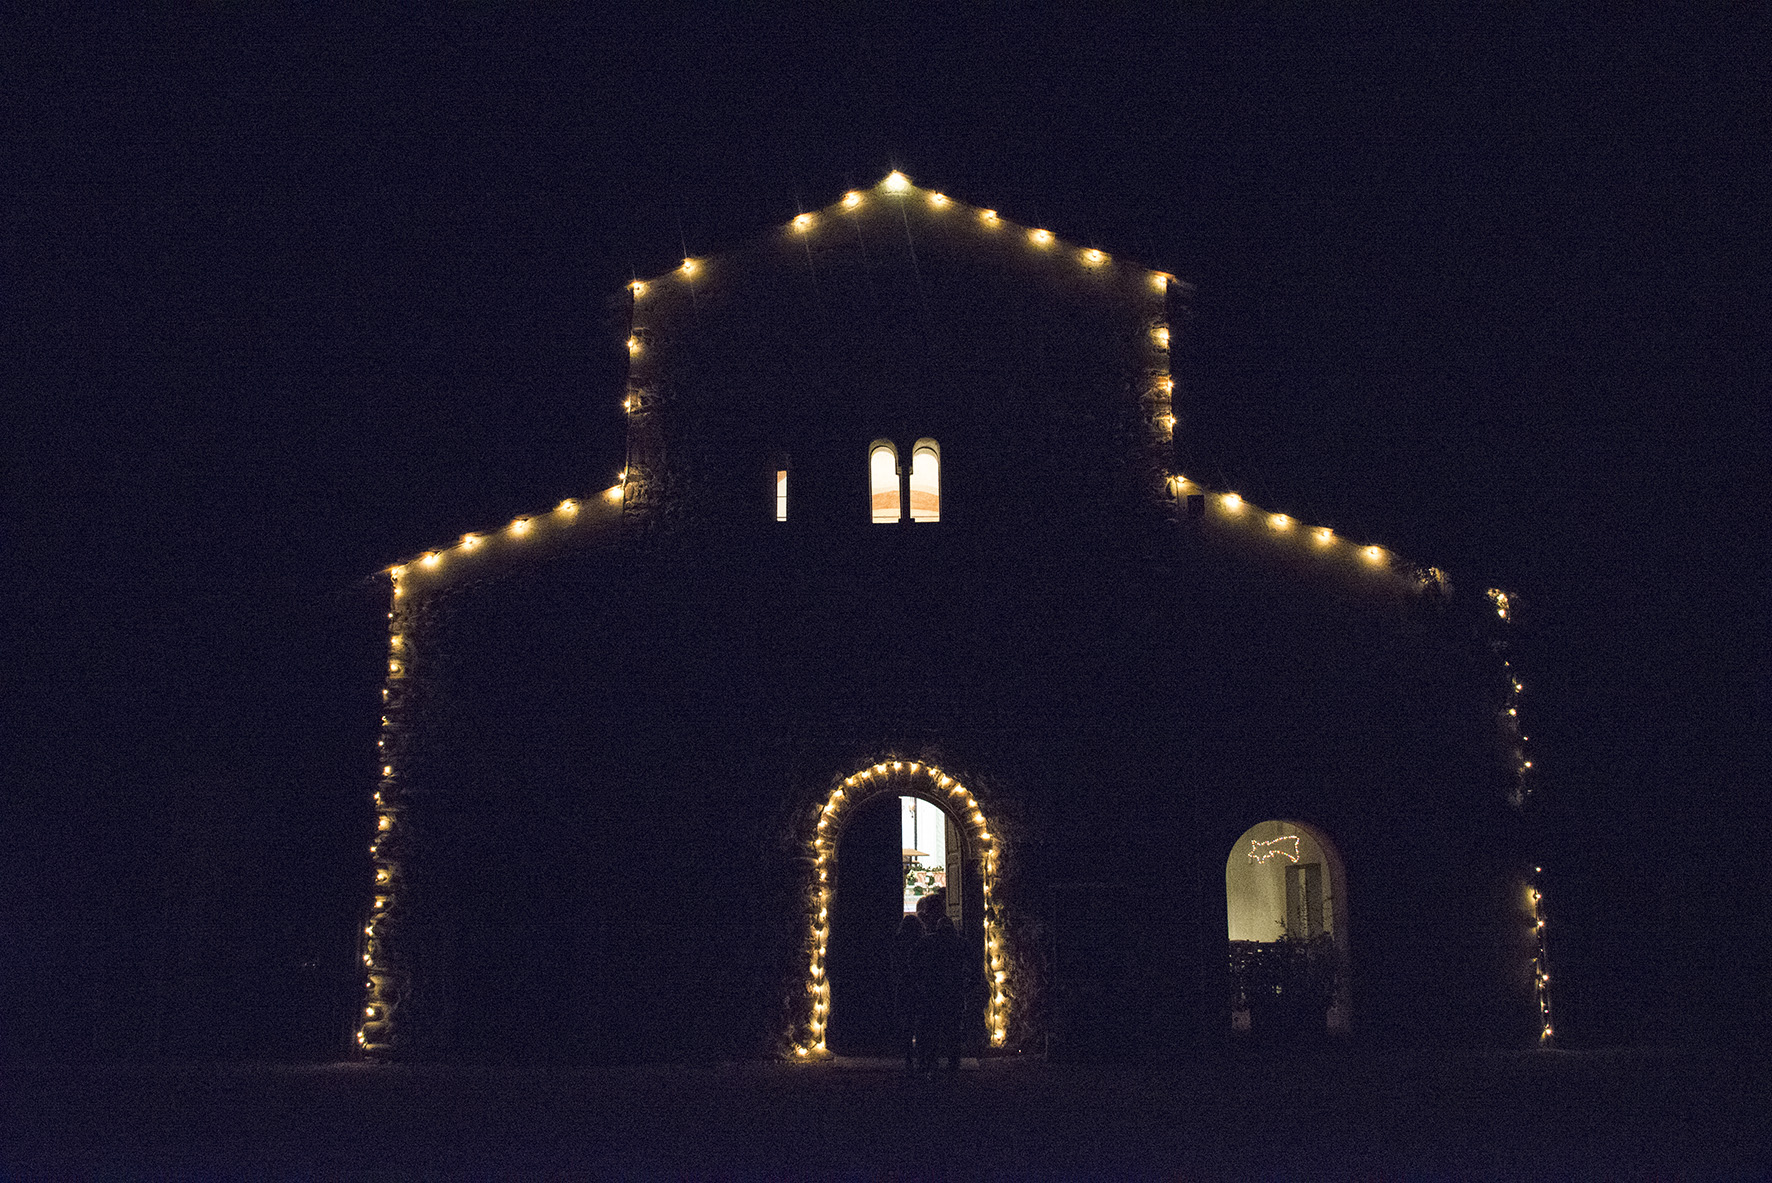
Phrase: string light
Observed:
(879, 779)
(1372, 554)
(1160, 335)
(638, 287)
(803, 223)
(896, 182)
(988, 215)
(1540, 963)
(1259, 855)
(1040, 237)
(689, 266)
(938, 200)
(1233, 502)
(1094, 257)
(851, 199)
(1279, 521)
(633, 346)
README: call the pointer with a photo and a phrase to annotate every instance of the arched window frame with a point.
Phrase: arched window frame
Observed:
(779, 484)
(924, 447)
(874, 449)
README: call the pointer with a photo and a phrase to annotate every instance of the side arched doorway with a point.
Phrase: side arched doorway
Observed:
(863, 883)
(1287, 923)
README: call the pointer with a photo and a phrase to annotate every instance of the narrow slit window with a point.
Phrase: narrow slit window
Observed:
(926, 482)
(781, 494)
(883, 482)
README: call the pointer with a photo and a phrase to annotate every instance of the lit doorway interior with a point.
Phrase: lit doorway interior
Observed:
(931, 852)
(894, 851)
(1286, 914)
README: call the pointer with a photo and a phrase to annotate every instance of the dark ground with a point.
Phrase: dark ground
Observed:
(1336, 1113)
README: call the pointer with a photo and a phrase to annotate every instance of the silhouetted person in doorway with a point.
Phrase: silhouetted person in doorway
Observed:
(904, 985)
(941, 982)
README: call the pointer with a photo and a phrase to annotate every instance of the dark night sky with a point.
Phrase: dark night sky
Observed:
(286, 301)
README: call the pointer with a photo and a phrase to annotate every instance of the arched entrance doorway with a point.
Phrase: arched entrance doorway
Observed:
(1286, 918)
(858, 891)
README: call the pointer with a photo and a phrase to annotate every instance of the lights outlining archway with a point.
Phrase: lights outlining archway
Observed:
(910, 778)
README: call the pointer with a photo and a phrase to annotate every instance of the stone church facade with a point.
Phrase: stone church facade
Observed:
(902, 522)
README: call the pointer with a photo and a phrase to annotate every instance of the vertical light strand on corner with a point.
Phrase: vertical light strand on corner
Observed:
(1518, 794)
(383, 986)
(1521, 789)
(1162, 386)
(1541, 963)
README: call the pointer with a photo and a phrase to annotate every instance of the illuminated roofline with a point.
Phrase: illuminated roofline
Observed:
(896, 186)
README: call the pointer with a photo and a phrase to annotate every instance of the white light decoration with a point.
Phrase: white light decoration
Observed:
(1279, 521)
(987, 215)
(1094, 257)
(1323, 535)
(638, 288)
(1160, 280)
(896, 182)
(938, 200)
(1540, 963)
(520, 526)
(567, 506)
(803, 223)
(851, 199)
(1510, 716)
(633, 346)
(470, 541)
(1160, 335)
(1040, 237)
(689, 266)
(1372, 554)
(898, 779)
(1233, 502)
(1258, 852)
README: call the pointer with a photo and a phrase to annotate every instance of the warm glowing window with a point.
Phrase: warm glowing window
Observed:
(926, 482)
(883, 481)
(781, 494)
